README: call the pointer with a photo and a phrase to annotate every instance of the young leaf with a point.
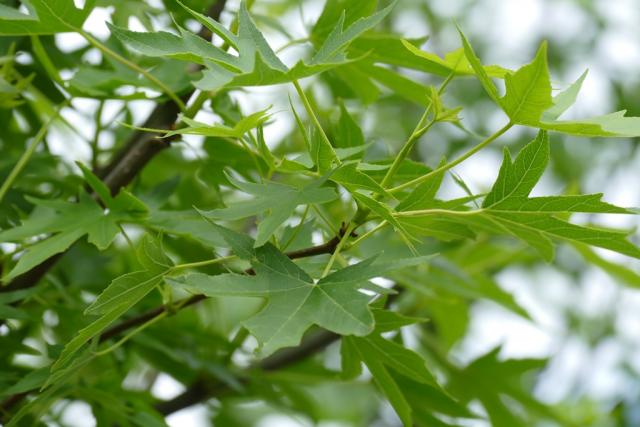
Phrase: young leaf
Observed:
(278, 200)
(528, 100)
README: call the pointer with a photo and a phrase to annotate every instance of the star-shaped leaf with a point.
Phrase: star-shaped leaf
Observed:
(68, 222)
(295, 300)
(508, 209)
(256, 63)
(277, 200)
(528, 100)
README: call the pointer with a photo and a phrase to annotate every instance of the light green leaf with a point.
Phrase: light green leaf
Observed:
(256, 63)
(348, 133)
(45, 17)
(564, 100)
(507, 209)
(528, 100)
(528, 91)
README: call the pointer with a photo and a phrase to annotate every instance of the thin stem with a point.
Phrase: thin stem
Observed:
(407, 147)
(341, 243)
(28, 153)
(131, 334)
(203, 263)
(197, 104)
(297, 229)
(291, 43)
(324, 219)
(368, 234)
(415, 135)
(427, 212)
(311, 113)
(104, 49)
(96, 137)
(455, 162)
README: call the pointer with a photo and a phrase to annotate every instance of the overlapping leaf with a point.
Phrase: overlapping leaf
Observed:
(45, 17)
(277, 200)
(295, 300)
(69, 221)
(395, 367)
(256, 64)
(528, 100)
(508, 209)
(121, 294)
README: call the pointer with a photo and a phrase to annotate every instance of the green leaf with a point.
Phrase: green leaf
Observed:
(507, 208)
(517, 179)
(348, 133)
(385, 213)
(256, 63)
(322, 153)
(122, 293)
(381, 355)
(295, 300)
(70, 221)
(528, 100)
(528, 91)
(277, 200)
(45, 17)
(353, 179)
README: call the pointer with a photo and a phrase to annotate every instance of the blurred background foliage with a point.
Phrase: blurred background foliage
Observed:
(585, 320)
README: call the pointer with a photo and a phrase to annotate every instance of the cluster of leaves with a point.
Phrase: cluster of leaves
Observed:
(246, 252)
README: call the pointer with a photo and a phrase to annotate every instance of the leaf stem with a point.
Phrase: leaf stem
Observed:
(107, 51)
(203, 263)
(407, 147)
(312, 114)
(341, 243)
(368, 234)
(28, 153)
(426, 212)
(131, 334)
(455, 162)
(297, 229)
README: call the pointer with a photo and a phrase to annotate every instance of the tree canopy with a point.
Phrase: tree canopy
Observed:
(304, 258)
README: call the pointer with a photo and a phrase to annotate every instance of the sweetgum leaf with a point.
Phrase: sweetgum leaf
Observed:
(528, 100)
(295, 300)
(256, 63)
(68, 222)
(538, 221)
(277, 200)
(45, 17)
(117, 298)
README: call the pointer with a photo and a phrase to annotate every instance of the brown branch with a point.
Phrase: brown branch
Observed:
(140, 148)
(202, 390)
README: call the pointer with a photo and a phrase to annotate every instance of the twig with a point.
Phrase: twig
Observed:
(140, 148)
